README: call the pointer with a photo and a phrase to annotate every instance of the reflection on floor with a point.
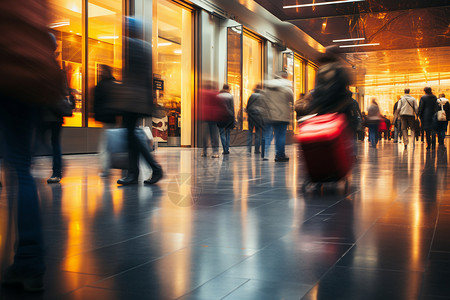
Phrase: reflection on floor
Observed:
(240, 228)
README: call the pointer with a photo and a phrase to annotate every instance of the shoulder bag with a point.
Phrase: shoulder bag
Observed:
(441, 116)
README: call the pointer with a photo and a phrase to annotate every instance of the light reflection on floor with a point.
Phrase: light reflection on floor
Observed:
(238, 227)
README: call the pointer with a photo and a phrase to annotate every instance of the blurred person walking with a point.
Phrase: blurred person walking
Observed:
(102, 113)
(443, 105)
(133, 100)
(226, 126)
(278, 101)
(373, 122)
(254, 112)
(331, 93)
(211, 111)
(397, 122)
(29, 79)
(427, 109)
(407, 110)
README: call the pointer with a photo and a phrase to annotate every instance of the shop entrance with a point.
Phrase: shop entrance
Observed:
(172, 73)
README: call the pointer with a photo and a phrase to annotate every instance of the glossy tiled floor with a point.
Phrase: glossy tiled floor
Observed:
(241, 228)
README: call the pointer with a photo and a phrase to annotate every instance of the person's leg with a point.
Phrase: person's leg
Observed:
(411, 121)
(227, 135)
(372, 135)
(280, 139)
(56, 147)
(250, 135)
(428, 138)
(214, 135)
(223, 138)
(18, 123)
(129, 122)
(396, 131)
(103, 153)
(257, 139)
(405, 129)
(433, 139)
(268, 136)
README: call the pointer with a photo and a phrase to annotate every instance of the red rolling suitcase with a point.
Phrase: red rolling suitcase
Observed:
(327, 147)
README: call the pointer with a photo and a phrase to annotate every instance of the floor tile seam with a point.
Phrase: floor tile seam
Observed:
(383, 269)
(235, 289)
(145, 263)
(112, 244)
(434, 232)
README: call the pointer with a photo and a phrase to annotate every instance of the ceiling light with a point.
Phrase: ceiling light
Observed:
(348, 40)
(360, 45)
(108, 37)
(321, 3)
(59, 24)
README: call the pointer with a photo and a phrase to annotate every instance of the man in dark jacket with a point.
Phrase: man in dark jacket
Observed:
(226, 126)
(103, 114)
(427, 109)
(255, 119)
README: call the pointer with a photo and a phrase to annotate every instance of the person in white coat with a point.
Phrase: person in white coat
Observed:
(407, 109)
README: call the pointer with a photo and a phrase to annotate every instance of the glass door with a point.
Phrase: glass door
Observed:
(234, 68)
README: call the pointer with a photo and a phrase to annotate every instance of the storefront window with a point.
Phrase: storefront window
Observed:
(66, 25)
(172, 73)
(234, 68)
(104, 45)
(252, 70)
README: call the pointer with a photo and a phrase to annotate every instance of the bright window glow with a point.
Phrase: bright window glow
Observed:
(321, 3)
(164, 44)
(360, 45)
(178, 51)
(348, 40)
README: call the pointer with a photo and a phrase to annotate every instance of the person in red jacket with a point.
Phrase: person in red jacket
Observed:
(211, 111)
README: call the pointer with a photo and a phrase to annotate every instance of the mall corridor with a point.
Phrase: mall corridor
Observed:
(240, 228)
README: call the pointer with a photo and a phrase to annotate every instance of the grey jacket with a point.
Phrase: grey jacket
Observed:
(278, 100)
(407, 106)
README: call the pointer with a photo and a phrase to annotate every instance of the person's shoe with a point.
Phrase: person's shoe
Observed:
(104, 174)
(226, 152)
(282, 159)
(0, 184)
(128, 180)
(54, 179)
(406, 147)
(257, 152)
(203, 154)
(29, 284)
(215, 156)
(265, 159)
(154, 179)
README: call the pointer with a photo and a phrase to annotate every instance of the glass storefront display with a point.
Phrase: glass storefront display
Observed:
(104, 46)
(172, 73)
(66, 26)
(311, 77)
(234, 68)
(252, 70)
(299, 77)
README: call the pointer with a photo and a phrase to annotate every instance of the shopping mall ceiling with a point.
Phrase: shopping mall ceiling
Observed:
(394, 30)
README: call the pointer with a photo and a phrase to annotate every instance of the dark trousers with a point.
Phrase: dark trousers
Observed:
(55, 138)
(279, 129)
(210, 131)
(431, 138)
(258, 136)
(136, 147)
(18, 123)
(225, 138)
